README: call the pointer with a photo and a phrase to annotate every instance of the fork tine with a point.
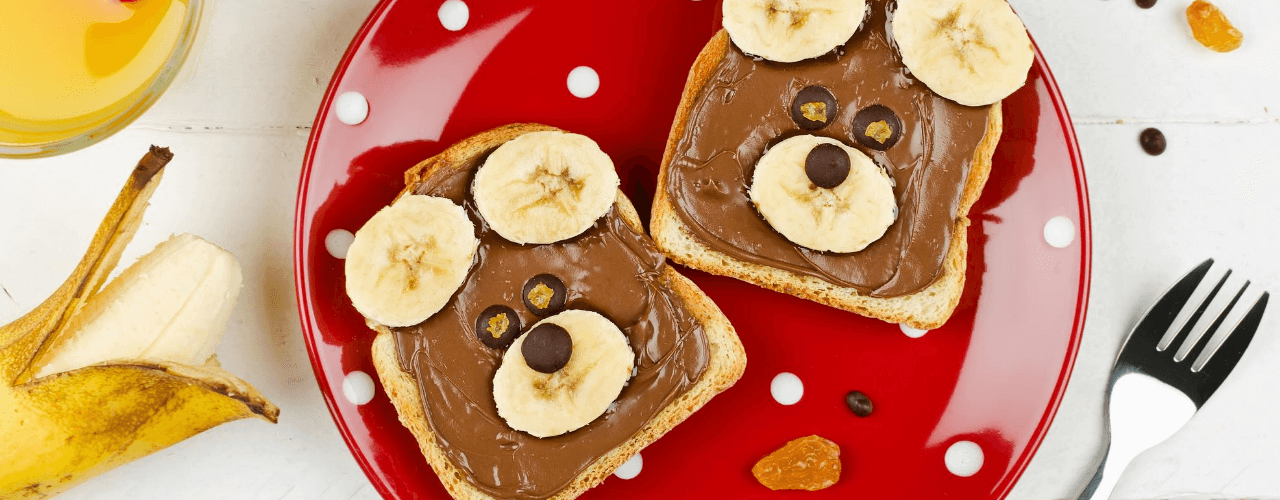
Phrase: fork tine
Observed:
(1222, 360)
(1199, 344)
(1195, 317)
(1157, 320)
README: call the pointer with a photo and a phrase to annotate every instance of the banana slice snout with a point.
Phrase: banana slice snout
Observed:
(974, 52)
(823, 195)
(407, 261)
(792, 30)
(544, 187)
(563, 374)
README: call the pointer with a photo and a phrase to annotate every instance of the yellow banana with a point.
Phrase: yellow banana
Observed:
(59, 430)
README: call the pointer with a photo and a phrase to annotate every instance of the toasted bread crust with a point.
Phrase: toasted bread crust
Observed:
(727, 357)
(927, 309)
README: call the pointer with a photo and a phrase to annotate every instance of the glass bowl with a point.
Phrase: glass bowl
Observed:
(134, 106)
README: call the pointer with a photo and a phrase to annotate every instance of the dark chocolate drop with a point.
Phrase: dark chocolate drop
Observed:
(827, 165)
(814, 108)
(876, 127)
(547, 348)
(543, 295)
(498, 326)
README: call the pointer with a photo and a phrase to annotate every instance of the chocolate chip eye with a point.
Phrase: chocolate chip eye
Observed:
(544, 294)
(827, 165)
(814, 107)
(498, 326)
(547, 348)
(876, 127)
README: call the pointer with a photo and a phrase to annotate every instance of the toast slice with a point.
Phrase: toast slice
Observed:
(926, 309)
(726, 364)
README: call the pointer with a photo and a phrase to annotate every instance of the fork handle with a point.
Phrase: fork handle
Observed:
(1107, 475)
(1096, 480)
(1140, 413)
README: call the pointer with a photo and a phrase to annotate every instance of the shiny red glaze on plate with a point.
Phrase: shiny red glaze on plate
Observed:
(993, 375)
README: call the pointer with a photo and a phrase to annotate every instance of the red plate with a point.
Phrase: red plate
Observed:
(993, 375)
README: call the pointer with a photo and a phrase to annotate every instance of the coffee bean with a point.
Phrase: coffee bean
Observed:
(876, 127)
(498, 326)
(814, 108)
(1146, 4)
(1152, 141)
(547, 348)
(859, 403)
(543, 295)
(827, 165)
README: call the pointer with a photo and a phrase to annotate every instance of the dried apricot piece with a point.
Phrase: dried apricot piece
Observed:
(1211, 27)
(810, 463)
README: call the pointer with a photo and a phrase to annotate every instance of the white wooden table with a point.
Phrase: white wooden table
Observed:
(239, 117)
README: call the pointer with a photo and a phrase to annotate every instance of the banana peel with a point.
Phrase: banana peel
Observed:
(59, 430)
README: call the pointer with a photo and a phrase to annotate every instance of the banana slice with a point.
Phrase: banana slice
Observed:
(579, 391)
(544, 187)
(974, 52)
(407, 261)
(792, 30)
(823, 195)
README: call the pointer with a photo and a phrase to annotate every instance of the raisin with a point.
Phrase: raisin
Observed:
(1211, 27)
(1152, 141)
(810, 463)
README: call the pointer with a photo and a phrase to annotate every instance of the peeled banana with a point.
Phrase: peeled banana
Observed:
(90, 380)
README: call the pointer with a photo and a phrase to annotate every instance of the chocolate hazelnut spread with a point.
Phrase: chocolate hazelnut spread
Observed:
(745, 108)
(610, 269)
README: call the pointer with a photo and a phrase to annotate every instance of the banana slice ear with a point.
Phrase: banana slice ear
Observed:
(544, 187)
(974, 52)
(407, 261)
(792, 30)
(821, 194)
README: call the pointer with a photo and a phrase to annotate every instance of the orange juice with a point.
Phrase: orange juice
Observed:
(70, 66)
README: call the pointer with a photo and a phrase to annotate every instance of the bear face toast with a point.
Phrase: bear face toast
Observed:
(770, 173)
(549, 363)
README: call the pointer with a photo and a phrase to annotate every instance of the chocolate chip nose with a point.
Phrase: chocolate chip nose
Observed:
(827, 165)
(547, 348)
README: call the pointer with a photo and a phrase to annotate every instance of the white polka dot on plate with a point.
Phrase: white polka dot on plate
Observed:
(454, 15)
(352, 108)
(631, 468)
(787, 389)
(337, 242)
(358, 388)
(964, 458)
(1059, 232)
(914, 333)
(584, 82)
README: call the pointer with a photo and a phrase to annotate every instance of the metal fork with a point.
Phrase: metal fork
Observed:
(1141, 411)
